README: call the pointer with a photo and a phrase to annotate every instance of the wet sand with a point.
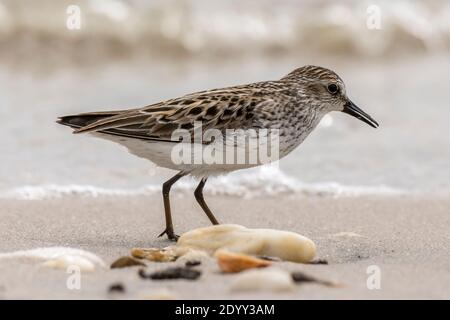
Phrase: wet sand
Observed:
(405, 236)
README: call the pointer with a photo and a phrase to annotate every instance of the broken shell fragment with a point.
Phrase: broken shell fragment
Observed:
(59, 258)
(64, 262)
(200, 244)
(236, 262)
(167, 254)
(124, 262)
(288, 246)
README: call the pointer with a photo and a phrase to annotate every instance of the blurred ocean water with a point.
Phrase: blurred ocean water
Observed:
(223, 28)
(133, 53)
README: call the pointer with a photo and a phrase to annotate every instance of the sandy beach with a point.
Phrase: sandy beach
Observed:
(405, 236)
(370, 199)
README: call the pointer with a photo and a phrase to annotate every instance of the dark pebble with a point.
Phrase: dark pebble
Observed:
(171, 273)
(192, 263)
(302, 277)
(116, 287)
(125, 262)
(319, 261)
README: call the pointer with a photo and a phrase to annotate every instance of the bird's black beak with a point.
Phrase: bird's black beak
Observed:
(353, 110)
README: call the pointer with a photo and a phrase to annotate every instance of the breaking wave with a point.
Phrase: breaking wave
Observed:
(224, 27)
(265, 181)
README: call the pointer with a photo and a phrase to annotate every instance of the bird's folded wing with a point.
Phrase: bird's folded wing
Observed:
(221, 109)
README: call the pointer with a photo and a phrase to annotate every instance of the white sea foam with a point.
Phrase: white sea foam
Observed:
(264, 181)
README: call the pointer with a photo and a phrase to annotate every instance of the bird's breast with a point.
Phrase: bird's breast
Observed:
(294, 127)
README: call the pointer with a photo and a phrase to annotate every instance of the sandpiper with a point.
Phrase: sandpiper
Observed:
(293, 105)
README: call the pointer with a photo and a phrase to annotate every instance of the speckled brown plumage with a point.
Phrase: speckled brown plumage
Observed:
(293, 105)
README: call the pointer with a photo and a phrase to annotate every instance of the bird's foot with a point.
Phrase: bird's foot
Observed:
(170, 235)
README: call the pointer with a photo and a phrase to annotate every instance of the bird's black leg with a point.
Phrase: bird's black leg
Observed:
(165, 191)
(199, 197)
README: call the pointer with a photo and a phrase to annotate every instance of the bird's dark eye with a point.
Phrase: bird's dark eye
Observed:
(332, 88)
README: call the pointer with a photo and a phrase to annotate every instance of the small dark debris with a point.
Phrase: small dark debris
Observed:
(300, 277)
(116, 288)
(319, 261)
(124, 262)
(192, 263)
(171, 273)
(142, 274)
(268, 258)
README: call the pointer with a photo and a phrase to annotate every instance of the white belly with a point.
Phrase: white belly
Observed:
(191, 158)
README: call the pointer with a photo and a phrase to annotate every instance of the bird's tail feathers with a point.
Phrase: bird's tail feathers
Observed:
(92, 121)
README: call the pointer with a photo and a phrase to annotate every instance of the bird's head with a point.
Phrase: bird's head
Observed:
(323, 89)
